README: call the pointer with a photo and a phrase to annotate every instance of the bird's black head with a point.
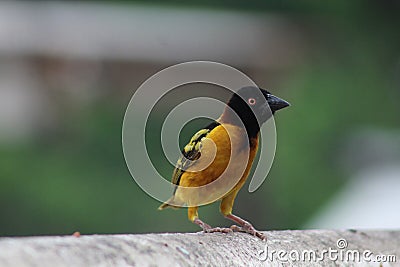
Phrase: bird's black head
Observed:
(254, 106)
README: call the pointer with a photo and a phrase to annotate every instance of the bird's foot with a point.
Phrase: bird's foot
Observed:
(208, 229)
(219, 230)
(244, 227)
(248, 228)
(202, 224)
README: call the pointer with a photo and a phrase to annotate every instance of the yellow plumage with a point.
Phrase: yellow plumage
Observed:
(221, 145)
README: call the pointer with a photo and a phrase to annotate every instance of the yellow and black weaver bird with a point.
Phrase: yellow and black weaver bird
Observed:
(237, 128)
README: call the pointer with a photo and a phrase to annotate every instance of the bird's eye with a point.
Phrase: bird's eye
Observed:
(252, 101)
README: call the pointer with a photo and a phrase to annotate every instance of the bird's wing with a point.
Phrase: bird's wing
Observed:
(190, 153)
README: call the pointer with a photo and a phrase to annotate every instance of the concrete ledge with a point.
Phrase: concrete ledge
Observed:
(199, 249)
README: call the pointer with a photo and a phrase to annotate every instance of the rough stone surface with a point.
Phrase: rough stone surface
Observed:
(199, 249)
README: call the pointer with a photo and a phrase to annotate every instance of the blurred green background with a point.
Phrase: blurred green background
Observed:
(68, 70)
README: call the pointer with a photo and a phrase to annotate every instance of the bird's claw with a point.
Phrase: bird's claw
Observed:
(218, 230)
(248, 228)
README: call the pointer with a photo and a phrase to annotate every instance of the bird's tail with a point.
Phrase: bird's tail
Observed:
(170, 203)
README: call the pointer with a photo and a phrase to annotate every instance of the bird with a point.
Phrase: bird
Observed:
(229, 142)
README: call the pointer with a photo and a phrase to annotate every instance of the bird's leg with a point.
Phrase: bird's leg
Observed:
(202, 224)
(245, 226)
(194, 217)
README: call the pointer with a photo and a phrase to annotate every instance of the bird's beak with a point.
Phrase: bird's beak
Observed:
(276, 103)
